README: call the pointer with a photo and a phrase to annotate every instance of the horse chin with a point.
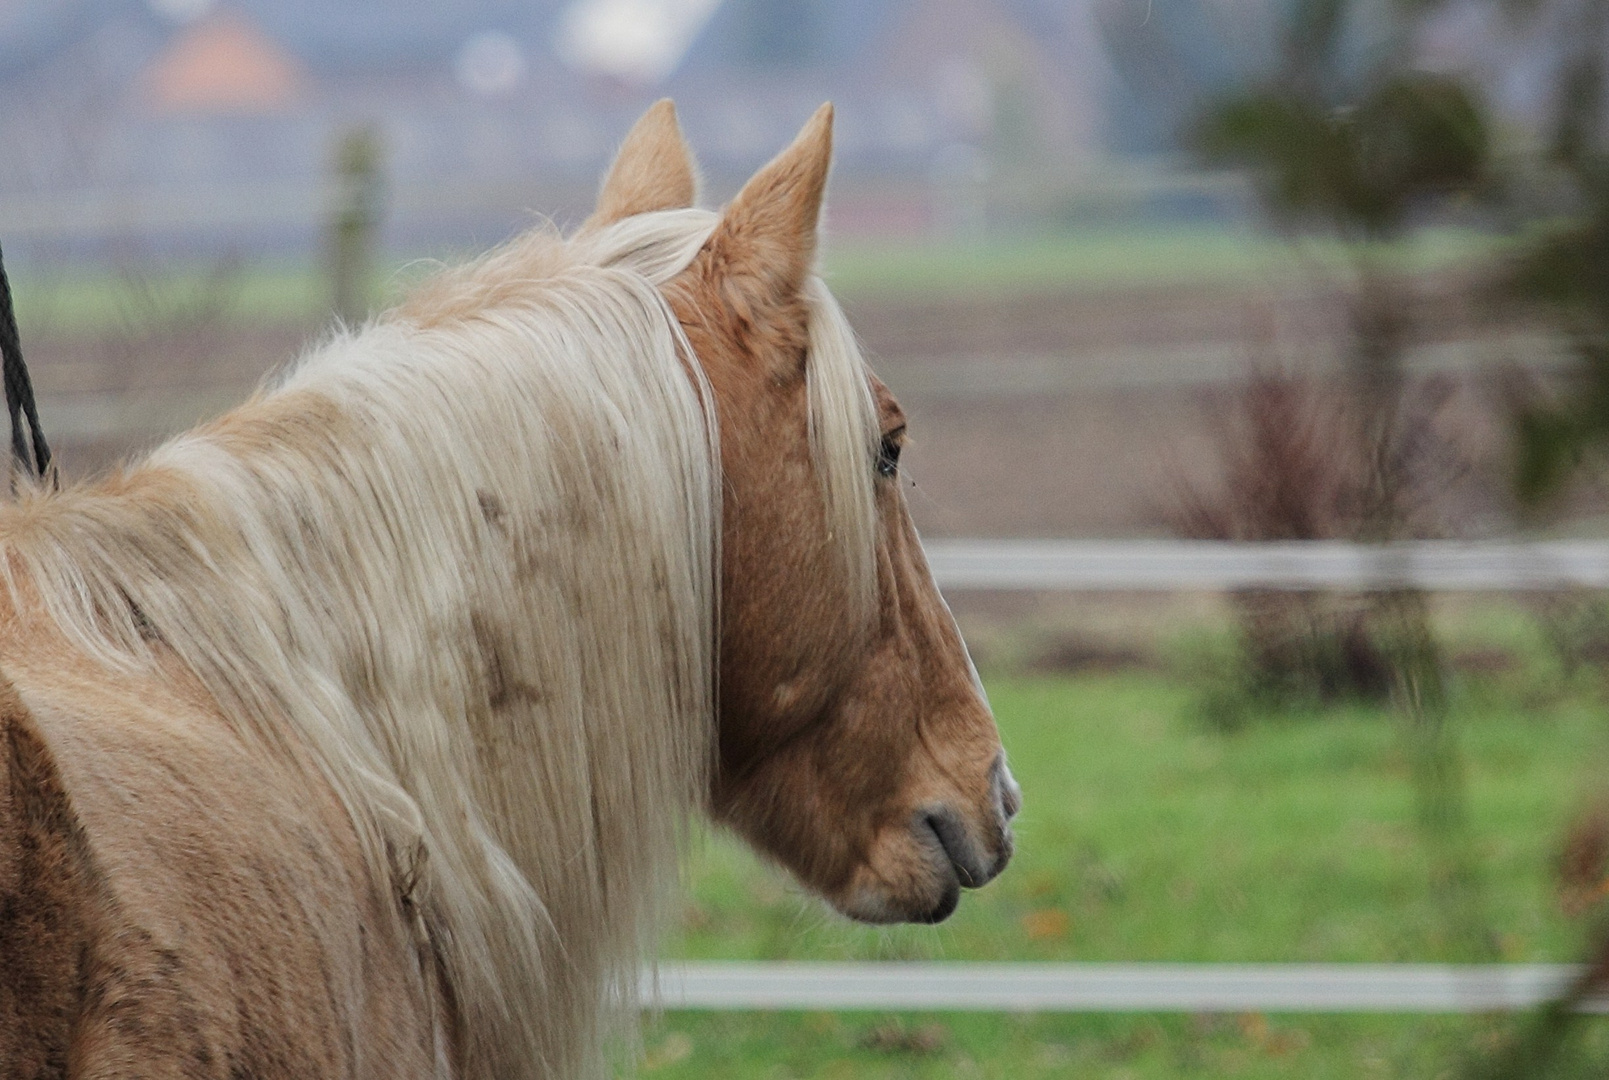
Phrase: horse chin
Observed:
(909, 884)
(879, 907)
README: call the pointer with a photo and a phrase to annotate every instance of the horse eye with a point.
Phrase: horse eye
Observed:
(888, 457)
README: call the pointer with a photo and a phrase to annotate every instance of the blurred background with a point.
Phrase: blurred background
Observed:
(1028, 238)
(1241, 270)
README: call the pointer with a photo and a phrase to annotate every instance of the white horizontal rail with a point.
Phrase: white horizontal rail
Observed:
(1031, 987)
(1208, 565)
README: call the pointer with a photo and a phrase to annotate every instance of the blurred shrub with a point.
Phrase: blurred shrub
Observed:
(1575, 626)
(1295, 462)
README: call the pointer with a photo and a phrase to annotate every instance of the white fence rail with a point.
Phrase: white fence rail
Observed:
(1030, 987)
(1184, 565)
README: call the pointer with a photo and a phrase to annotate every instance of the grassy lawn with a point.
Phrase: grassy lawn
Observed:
(98, 301)
(91, 301)
(1103, 259)
(808, 1046)
(1146, 836)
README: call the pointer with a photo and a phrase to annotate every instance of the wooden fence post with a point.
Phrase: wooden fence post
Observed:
(354, 224)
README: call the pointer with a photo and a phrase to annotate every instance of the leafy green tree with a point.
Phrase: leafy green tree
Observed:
(1565, 269)
(1357, 166)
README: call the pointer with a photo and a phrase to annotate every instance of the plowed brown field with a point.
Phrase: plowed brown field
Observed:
(1075, 414)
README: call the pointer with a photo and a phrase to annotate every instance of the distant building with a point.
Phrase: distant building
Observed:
(224, 64)
(479, 85)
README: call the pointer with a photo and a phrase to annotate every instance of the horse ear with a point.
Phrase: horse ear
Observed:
(765, 244)
(654, 170)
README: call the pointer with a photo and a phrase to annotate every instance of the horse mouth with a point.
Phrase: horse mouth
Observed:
(944, 909)
(968, 861)
(940, 857)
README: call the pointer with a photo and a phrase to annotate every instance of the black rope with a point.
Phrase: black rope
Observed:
(19, 389)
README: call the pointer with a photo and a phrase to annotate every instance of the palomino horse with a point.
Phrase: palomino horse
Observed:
(354, 734)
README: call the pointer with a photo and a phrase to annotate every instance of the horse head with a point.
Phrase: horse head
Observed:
(855, 743)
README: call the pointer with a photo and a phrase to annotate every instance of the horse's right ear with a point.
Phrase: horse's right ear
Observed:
(764, 248)
(654, 170)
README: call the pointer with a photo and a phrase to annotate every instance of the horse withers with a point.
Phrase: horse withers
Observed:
(356, 733)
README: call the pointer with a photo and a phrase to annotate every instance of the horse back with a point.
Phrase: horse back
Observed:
(175, 902)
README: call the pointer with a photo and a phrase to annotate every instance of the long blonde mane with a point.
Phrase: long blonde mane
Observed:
(464, 563)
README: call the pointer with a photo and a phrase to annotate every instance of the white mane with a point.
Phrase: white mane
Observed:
(465, 560)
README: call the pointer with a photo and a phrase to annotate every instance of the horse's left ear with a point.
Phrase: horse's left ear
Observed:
(654, 170)
(764, 249)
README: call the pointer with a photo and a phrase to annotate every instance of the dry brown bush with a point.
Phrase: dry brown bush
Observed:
(1300, 457)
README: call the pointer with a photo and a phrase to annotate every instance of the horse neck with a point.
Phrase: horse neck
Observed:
(473, 571)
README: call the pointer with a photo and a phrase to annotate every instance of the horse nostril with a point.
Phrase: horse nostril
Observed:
(1011, 800)
(1007, 793)
(1007, 848)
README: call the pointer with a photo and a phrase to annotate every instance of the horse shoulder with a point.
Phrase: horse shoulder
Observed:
(177, 901)
(47, 900)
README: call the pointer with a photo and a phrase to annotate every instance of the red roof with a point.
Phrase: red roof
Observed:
(224, 64)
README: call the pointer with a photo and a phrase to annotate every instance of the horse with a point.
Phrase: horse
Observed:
(357, 732)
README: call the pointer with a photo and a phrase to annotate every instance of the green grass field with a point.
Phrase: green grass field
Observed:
(1096, 259)
(1147, 836)
(808, 1046)
(88, 301)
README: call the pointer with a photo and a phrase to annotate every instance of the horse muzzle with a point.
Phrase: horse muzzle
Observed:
(943, 850)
